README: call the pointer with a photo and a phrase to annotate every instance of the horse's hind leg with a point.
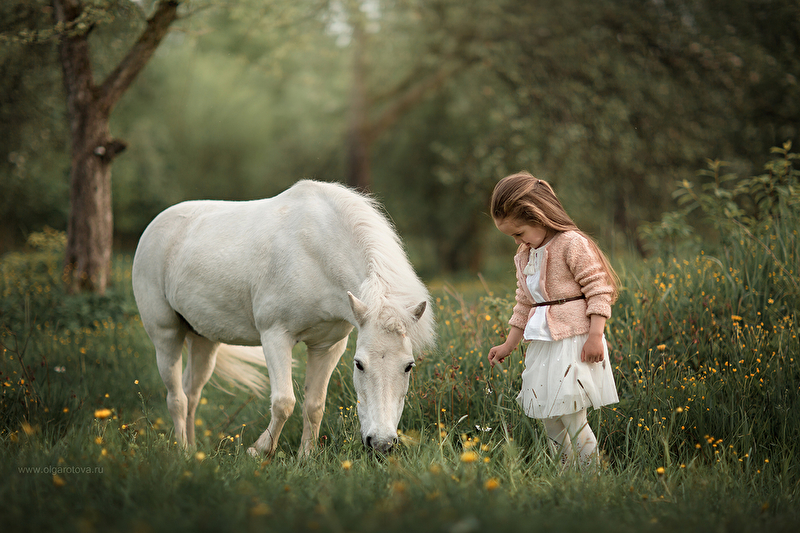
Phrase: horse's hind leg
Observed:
(199, 367)
(167, 330)
(278, 354)
(169, 345)
(321, 362)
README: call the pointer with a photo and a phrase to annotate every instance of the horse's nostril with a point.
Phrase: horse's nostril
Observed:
(378, 444)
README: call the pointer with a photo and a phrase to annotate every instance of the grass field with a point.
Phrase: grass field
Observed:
(705, 438)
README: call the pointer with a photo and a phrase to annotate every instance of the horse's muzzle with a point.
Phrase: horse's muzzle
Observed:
(382, 445)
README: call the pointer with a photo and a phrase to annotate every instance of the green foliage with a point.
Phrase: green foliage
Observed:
(33, 290)
(716, 326)
(236, 107)
(467, 457)
(44, 330)
(705, 353)
(611, 101)
(704, 337)
(756, 219)
(33, 161)
(728, 201)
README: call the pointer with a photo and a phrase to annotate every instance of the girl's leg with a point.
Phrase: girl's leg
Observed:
(558, 439)
(583, 438)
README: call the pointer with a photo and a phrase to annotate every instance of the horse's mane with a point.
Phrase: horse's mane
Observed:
(392, 287)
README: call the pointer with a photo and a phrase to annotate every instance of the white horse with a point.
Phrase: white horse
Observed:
(304, 266)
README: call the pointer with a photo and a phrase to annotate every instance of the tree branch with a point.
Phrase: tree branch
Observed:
(75, 60)
(140, 53)
(405, 85)
(412, 97)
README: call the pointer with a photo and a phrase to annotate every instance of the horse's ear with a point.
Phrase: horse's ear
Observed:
(359, 308)
(419, 310)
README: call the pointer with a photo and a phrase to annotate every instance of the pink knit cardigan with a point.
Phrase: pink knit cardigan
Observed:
(570, 267)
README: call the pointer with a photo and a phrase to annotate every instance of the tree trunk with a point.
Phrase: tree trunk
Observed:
(366, 124)
(90, 228)
(359, 141)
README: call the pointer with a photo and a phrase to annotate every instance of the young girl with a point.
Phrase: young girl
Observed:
(565, 288)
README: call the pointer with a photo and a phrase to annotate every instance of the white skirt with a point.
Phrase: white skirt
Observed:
(555, 381)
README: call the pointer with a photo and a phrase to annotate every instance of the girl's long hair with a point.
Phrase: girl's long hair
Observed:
(526, 199)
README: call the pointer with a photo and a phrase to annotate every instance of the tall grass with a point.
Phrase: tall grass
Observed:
(704, 346)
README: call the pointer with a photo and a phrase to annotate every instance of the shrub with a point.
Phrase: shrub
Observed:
(33, 289)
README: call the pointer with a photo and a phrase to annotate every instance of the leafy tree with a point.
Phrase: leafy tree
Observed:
(89, 106)
(380, 98)
(610, 101)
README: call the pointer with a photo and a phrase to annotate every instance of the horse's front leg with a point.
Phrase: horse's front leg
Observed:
(277, 347)
(321, 362)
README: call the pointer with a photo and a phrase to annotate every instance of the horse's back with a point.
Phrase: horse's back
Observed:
(231, 268)
(207, 231)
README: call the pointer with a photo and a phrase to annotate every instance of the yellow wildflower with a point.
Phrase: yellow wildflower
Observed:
(469, 457)
(260, 509)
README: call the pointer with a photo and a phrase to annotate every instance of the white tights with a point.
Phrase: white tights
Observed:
(568, 431)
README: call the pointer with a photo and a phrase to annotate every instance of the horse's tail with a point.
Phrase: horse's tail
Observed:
(235, 365)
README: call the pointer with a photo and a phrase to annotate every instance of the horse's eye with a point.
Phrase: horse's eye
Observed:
(409, 367)
(359, 366)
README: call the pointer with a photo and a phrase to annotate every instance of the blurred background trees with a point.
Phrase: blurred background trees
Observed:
(426, 103)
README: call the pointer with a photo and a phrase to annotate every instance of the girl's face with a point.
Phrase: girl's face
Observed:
(533, 235)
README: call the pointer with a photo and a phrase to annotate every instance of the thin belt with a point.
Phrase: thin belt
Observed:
(561, 301)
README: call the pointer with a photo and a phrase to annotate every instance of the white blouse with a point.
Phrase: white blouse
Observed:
(536, 329)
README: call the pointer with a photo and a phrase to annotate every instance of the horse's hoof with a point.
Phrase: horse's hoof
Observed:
(252, 452)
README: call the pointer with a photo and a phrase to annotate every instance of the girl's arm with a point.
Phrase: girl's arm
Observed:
(593, 348)
(585, 266)
(499, 353)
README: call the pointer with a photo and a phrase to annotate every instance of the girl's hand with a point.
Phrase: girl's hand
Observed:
(498, 354)
(592, 351)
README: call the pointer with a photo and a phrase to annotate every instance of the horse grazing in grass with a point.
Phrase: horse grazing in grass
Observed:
(307, 265)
